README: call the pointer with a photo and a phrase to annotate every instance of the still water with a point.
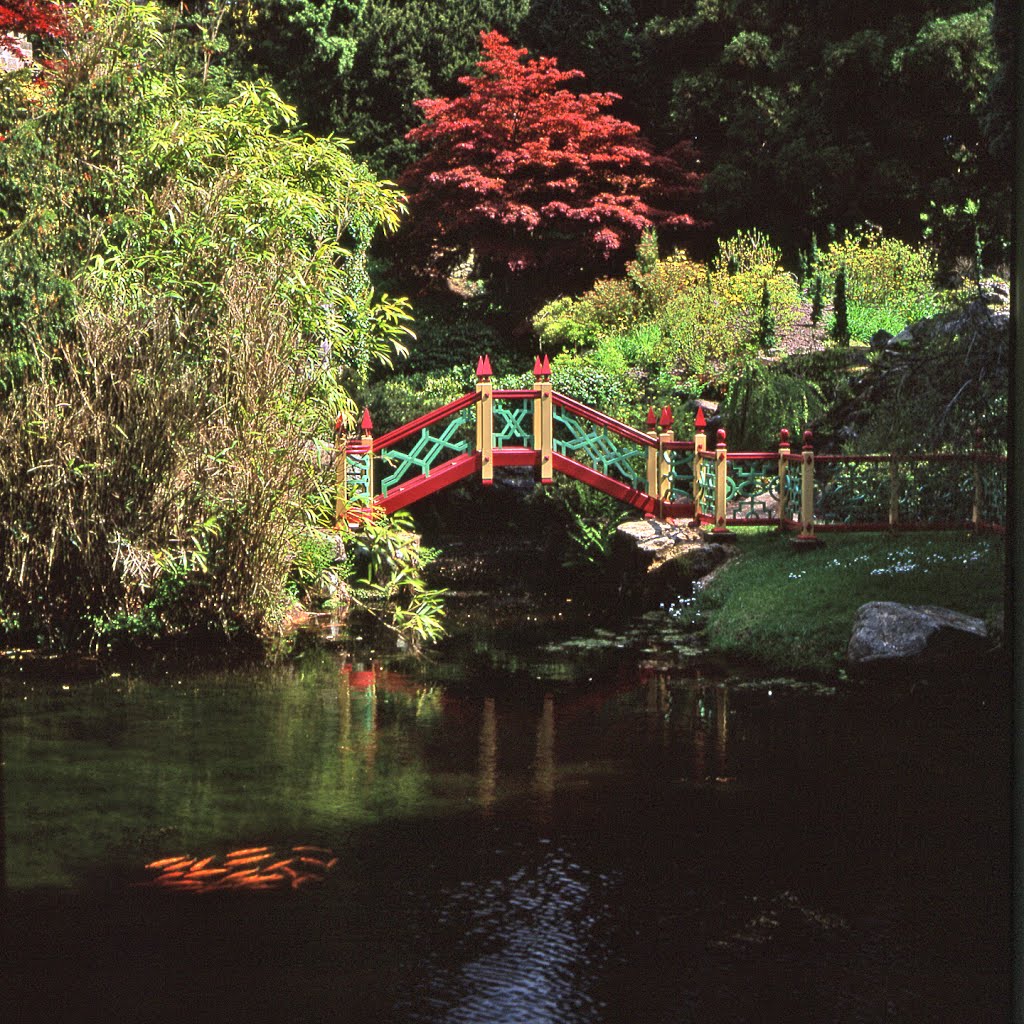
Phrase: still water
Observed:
(507, 831)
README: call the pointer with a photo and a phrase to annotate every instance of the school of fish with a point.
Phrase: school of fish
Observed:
(255, 868)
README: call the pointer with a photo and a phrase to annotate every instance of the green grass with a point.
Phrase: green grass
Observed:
(792, 612)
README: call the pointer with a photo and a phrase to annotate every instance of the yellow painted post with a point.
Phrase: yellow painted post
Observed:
(700, 445)
(977, 503)
(894, 493)
(783, 457)
(720, 531)
(485, 420)
(543, 419)
(652, 454)
(806, 538)
(367, 439)
(664, 464)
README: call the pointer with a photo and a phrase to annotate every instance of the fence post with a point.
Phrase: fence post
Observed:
(783, 457)
(978, 495)
(543, 419)
(806, 538)
(354, 447)
(664, 474)
(485, 419)
(700, 445)
(720, 531)
(894, 492)
(652, 453)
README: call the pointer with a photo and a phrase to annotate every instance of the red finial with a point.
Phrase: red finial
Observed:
(483, 368)
(698, 421)
(721, 438)
(488, 372)
(366, 423)
(808, 439)
(538, 367)
(652, 417)
(665, 419)
(546, 366)
(783, 436)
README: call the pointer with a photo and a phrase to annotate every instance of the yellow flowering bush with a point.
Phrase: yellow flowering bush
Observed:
(883, 273)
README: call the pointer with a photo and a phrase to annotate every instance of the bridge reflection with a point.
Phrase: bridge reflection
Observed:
(507, 745)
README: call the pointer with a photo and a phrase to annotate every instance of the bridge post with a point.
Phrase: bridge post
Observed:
(664, 492)
(652, 453)
(894, 492)
(783, 459)
(976, 504)
(720, 531)
(543, 419)
(352, 481)
(700, 445)
(485, 419)
(806, 537)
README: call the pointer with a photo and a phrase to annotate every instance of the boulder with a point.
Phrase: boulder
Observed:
(656, 560)
(887, 635)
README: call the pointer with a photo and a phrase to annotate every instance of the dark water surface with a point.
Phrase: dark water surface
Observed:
(570, 834)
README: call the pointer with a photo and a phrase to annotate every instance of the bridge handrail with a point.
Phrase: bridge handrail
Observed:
(428, 419)
(514, 393)
(615, 426)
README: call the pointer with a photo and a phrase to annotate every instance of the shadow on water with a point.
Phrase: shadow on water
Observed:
(579, 830)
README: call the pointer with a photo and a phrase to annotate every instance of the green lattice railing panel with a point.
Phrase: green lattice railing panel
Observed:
(753, 490)
(681, 474)
(851, 492)
(513, 423)
(431, 446)
(599, 448)
(707, 481)
(357, 478)
(935, 491)
(793, 490)
(992, 507)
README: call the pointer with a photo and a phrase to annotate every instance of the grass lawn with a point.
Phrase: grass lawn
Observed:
(793, 612)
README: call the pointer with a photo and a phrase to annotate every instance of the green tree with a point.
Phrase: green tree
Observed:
(185, 283)
(356, 67)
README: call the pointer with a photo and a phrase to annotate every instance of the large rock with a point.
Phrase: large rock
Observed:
(887, 635)
(656, 560)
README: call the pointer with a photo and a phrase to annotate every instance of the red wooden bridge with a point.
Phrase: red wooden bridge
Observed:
(658, 475)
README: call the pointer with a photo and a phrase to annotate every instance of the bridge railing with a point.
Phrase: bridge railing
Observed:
(796, 491)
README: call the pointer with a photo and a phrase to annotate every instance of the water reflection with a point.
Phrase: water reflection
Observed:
(526, 947)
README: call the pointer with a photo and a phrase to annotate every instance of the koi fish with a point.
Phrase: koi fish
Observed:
(168, 861)
(201, 864)
(313, 862)
(330, 864)
(245, 853)
(313, 849)
(235, 861)
(277, 865)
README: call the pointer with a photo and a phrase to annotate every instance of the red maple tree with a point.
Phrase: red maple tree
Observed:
(29, 17)
(529, 176)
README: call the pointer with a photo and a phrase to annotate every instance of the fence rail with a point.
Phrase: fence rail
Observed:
(660, 475)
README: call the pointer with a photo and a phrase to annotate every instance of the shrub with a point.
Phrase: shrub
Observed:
(765, 399)
(883, 273)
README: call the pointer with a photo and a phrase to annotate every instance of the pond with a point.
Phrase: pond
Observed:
(528, 825)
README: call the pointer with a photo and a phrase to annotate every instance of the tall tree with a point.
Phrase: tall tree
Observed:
(536, 183)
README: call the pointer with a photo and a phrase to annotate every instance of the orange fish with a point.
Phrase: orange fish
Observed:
(168, 861)
(201, 864)
(277, 865)
(235, 861)
(245, 853)
(313, 862)
(313, 849)
(330, 864)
